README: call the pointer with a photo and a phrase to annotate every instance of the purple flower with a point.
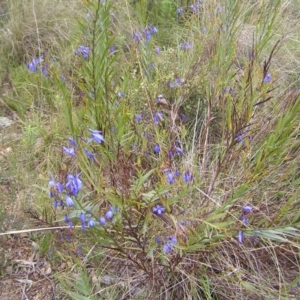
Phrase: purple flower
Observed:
(267, 78)
(170, 178)
(176, 83)
(168, 246)
(158, 209)
(157, 117)
(69, 151)
(102, 221)
(55, 203)
(183, 118)
(62, 204)
(240, 237)
(83, 50)
(195, 8)
(157, 50)
(185, 46)
(89, 155)
(173, 239)
(187, 176)
(247, 209)
(66, 218)
(59, 186)
(218, 10)
(136, 36)
(156, 148)
(74, 184)
(44, 70)
(177, 173)
(179, 150)
(91, 223)
(179, 10)
(109, 215)
(138, 118)
(112, 49)
(72, 141)
(69, 201)
(121, 94)
(158, 240)
(32, 66)
(244, 220)
(96, 136)
(170, 154)
(82, 218)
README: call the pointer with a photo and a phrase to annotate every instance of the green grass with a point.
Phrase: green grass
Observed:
(223, 95)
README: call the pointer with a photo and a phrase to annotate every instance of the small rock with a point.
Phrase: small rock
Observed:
(107, 280)
(5, 122)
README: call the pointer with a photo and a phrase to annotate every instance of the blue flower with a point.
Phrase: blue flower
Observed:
(187, 176)
(179, 10)
(157, 117)
(112, 49)
(32, 66)
(89, 155)
(69, 201)
(102, 221)
(157, 50)
(55, 203)
(176, 83)
(183, 118)
(96, 136)
(109, 214)
(179, 150)
(169, 244)
(58, 186)
(82, 217)
(185, 46)
(218, 10)
(72, 141)
(44, 70)
(138, 118)
(83, 50)
(247, 209)
(91, 223)
(267, 78)
(158, 209)
(170, 154)
(195, 8)
(167, 247)
(74, 184)
(66, 218)
(244, 220)
(240, 237)
(158, 240)
(121, 94)
(136, 36)
(156, 148)
(177, 173)
(62, 204)
(69, 151)
(170, 178)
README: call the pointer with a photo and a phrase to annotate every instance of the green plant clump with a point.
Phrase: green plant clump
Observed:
(170, 130)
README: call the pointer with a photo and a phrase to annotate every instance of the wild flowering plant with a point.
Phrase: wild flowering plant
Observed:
(133, 184)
